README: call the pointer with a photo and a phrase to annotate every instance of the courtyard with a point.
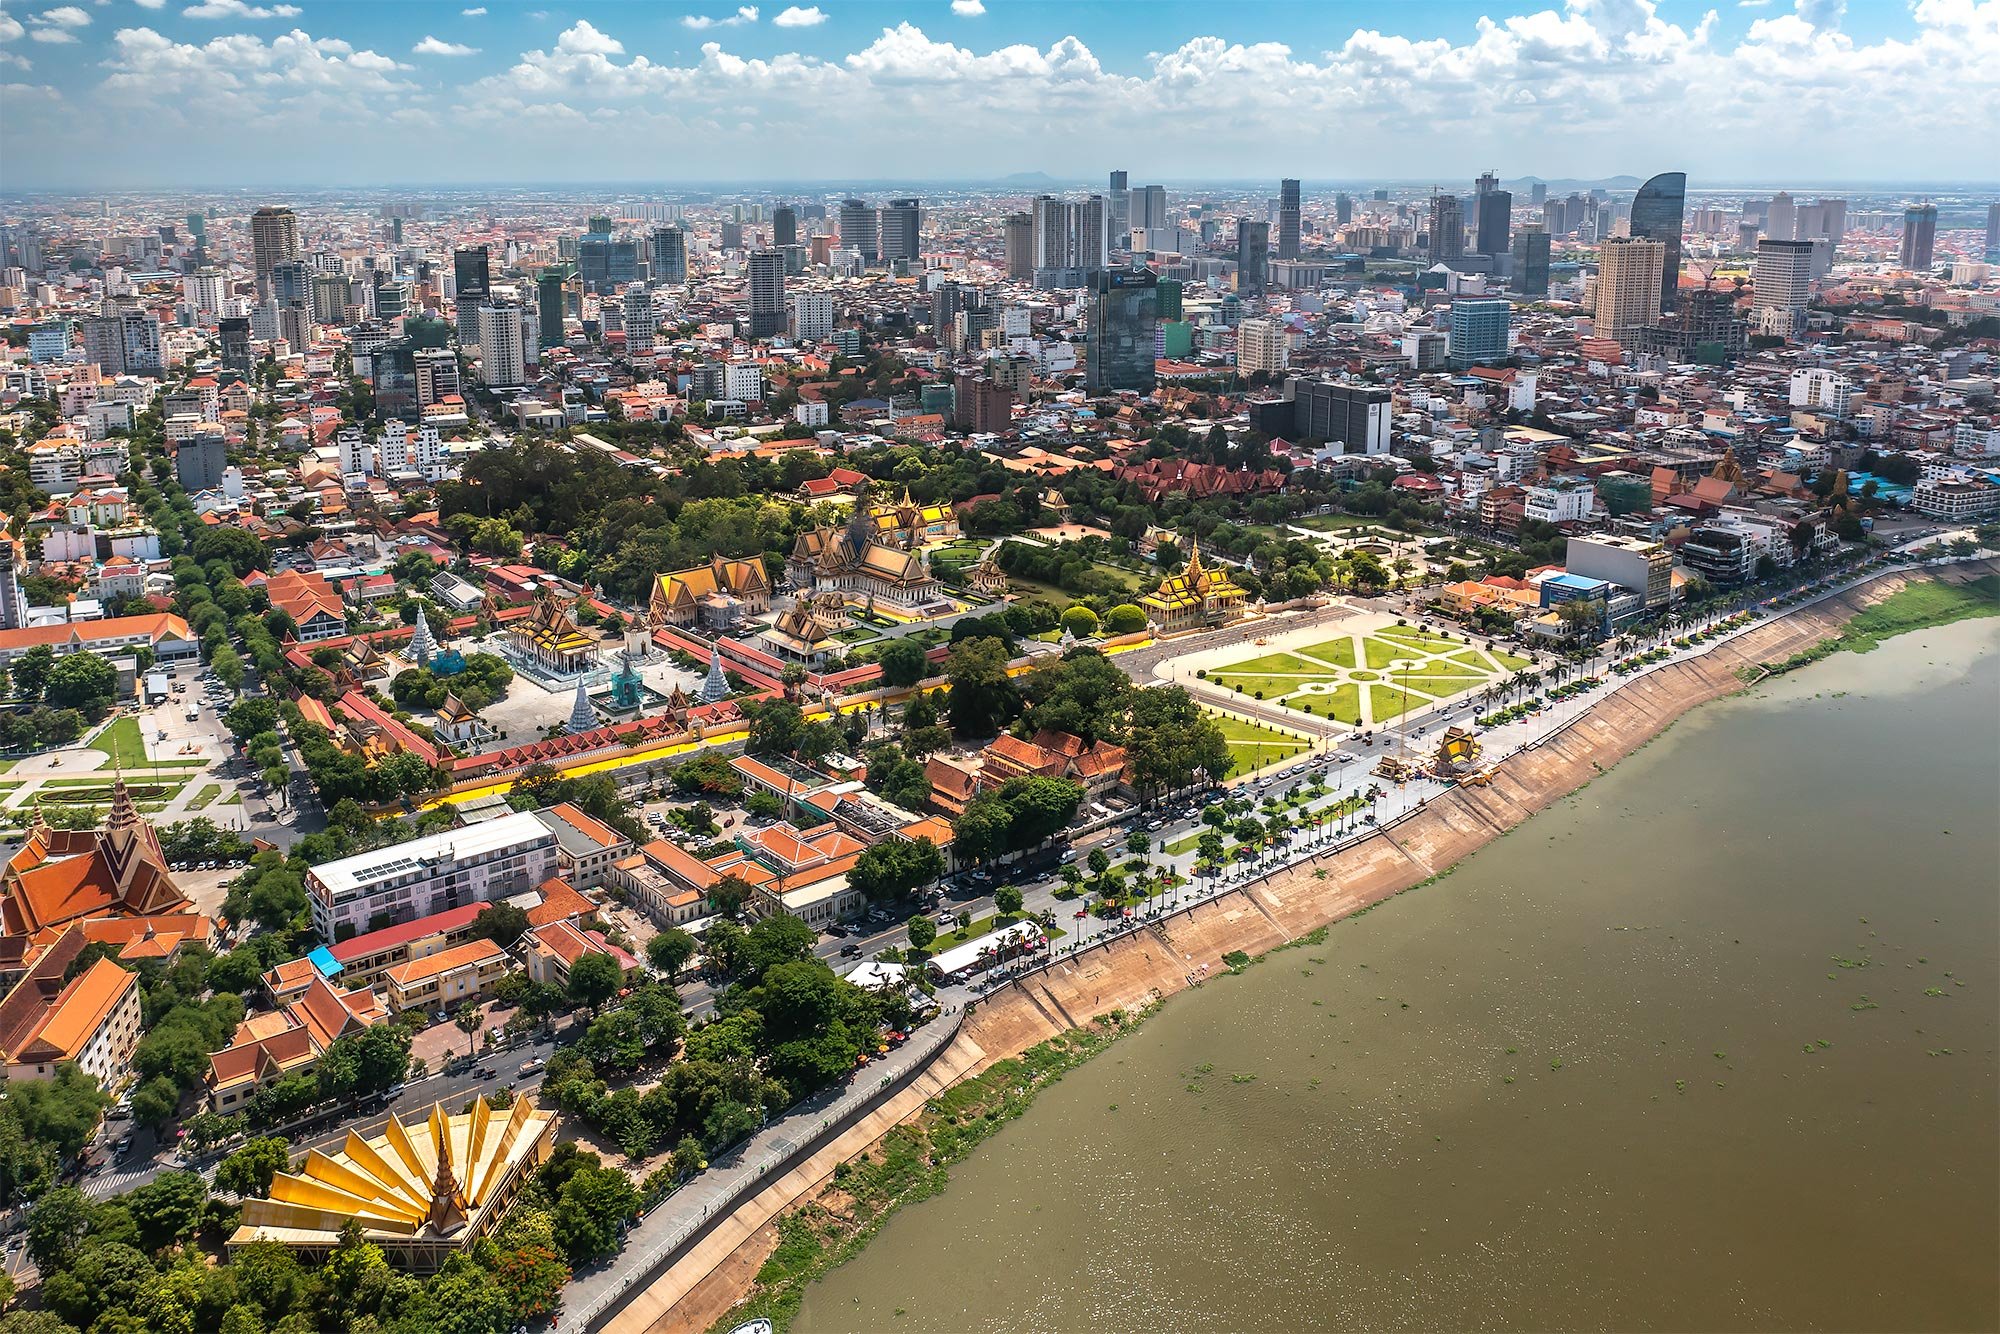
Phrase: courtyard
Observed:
(1373, 673)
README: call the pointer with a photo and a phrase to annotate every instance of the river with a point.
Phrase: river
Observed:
(1711, 1045)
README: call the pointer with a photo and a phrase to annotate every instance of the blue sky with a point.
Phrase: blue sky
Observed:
(149, 93)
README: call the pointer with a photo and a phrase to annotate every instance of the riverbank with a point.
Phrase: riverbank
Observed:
(1139, 971)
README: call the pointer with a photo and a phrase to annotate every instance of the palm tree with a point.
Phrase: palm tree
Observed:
(468, 1020)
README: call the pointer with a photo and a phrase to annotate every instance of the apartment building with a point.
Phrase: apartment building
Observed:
(478, 864)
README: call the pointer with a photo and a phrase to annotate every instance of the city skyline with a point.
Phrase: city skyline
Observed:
(142, 94)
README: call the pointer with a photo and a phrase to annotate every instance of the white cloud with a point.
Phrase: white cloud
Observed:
(584, 40)
(477, 11)
(800, 18)
(52, 36)
(10, 30)
(239, 9)
(1751, 4)
(64, 16)
(431, 46)
(150, 4)
(744, 14)
(967, 9)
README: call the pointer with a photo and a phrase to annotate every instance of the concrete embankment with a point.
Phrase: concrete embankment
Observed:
(1150, 965)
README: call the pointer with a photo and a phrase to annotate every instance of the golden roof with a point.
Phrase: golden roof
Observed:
(424, 1177)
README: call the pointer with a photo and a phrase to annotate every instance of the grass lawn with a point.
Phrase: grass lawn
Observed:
(984, 926)
(1509, 662)
(1328, 523)
(1442, 687)
(1339, 652)
(1266, 687)
(1382, 652)
(1417, 638)
(125, 744)
(1271, 664)
(1387, 702)
(233, 799)
(206, 795)
(1254, 746)
(1478, 661)
(1446, 667)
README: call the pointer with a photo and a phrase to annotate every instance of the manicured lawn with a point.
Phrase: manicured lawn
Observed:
(206, 795)
(233, 799)
(1475, 659)
(1405, 634)
(1254, 746)
(1510, 662)
(1339, 652)
(124, 743)
(1387, 702)
(1327, 523)
(1272, 664)
(984, 926)
(1382, 652)
(1265, 687)
(1441, 687)
(1446, 667)
(1342, 704)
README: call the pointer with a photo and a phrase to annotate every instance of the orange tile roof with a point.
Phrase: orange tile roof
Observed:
(472, 952)
(78, 1013)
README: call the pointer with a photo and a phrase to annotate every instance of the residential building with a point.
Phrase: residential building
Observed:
(812, 317)
(1919, 237)
(1262, 346)
(1782, 277)
(1560, 500)
(1479, 327)
(274, 238)
(551, 951)
(502, 360)
(767, 292)
(1019, 239)
(1631, 563)
(447, 979)
(1628, 286)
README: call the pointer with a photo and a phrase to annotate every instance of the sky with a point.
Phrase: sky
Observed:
(159, 94)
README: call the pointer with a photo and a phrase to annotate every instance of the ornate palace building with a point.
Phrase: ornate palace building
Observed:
(866, 565)
(1196, 597)
(720, 594)
(550, 640)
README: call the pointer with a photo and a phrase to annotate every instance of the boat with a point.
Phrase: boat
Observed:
(757, 1326)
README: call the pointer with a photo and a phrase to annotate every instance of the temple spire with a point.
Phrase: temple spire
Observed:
(716, 687)
(422, 646)
(582, 718)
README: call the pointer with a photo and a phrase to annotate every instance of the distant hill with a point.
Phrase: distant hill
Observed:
(1028, 178)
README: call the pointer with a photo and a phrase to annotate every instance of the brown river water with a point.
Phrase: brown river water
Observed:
(1709, 1046)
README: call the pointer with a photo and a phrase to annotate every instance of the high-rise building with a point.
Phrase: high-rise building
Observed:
(1531, 260)
(901, 231)
(1253, 256)
(812, 317)
(290, 282)
(1154, 211)
(1628, 285)
(1919, 236)
(669, 259)
(1702, 328)
(1781, 218)
(860, 231)
(1343, 209)
(1262, 345)
(1782, 277)
(1118, 207)
(1833, 219)
(729, 235)
(1288, 219)
(784, 225)
(1538, 194)
(234, 332)
(551, 299)
(1068, 235)
(1993, 231)
(945, 305)
(1658, 214)
(206, 290)
(124, 342)
(1479, 330)
(1493, 226)
(642, 324)
(1124, 305)
(1169, 300)
(436, 371)
(767, 293)
(1093, 244)
(1354, 417)
(472, 282)
(503, 362)
(1447, 227)
(1019, 238)
(274, 237)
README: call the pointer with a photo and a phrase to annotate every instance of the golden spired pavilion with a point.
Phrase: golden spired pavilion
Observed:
(422, 1191)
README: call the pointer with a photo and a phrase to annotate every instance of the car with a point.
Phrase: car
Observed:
(1081, 913)
(488, 1072)
(836, 930)
(850, 950)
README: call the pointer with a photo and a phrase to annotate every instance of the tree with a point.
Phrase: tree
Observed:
(468, 1021)
(1080, 621)
(532, 1277)
(778, 939)
(670, 950)
(501, 923)
(764, 804)
(82, 681)
(722, 946)
(982, 697)
(251, 717)
(923, 931)
(239, 547)
(167, 1207)
(227, 664)
(31, 672)
(594, 979)
(1124, 619)
(250, 1170)
(56, 1226)
(895, 867)
(595, 1204)
(903, 662)
(1008, 900)
(155, 1101)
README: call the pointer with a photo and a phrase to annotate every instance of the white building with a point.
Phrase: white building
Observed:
(1562, 500)
(357, 454)
(743, 381)
(502, 363)
(642, 323)
(477, 864)
(812, 317)
(1824, 390)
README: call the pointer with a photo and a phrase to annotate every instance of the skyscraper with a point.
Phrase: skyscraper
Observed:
(1069, 235)
(1154, 214)
(1833, 213)
(1628, 285)
(1343, 209)
(1495, 221)
(1124, 305)
(1658, 213)
(1447, 227)
(1782, 277)
(1019, 237)
(550, 299)
(472, 282)
(1262, 345)
(1538, 194)
(1919, 236)
(274, 237)
(1119, 208)
(670, 256)
(641, 323)
(1288, 219)
(784, 225)
(859, 230)
(767, 293)
(1781, 218)
(502, 361)
(1253, 256)
(899, 229)
(1531, 260)
(1993, 231)
(1479, 330)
